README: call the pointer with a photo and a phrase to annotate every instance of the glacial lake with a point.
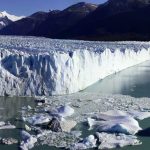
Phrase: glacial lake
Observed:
(134, 81)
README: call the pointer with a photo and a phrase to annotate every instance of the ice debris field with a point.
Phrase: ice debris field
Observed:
(83, 121)
(32, 66)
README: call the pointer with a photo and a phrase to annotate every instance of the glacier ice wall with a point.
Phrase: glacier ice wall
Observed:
(38, 66)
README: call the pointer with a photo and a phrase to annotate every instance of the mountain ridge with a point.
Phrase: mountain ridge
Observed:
(11, 17)
(112, 20)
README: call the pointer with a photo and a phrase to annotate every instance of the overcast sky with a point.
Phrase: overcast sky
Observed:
(27, 7)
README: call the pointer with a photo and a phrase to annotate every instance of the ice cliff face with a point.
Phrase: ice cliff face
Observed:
(37, 66)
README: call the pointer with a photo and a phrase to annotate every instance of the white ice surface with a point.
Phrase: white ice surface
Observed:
(114, 114)
(110, 141)
(28, 141)
(38, 119)
(3, 125)
(117, 122)
(63, 111)
(7, 127)
(32, 66)
(67, 125)
(89, 142)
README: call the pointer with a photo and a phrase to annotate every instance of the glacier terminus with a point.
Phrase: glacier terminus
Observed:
(31, 66)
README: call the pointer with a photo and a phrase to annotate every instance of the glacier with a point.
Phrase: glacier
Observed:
(31, 66)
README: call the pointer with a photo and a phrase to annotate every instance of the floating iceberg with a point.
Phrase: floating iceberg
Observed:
(63, 111)
(67, 125)
(89, 142)
(28, 141)
(38, 119)
(110, 141)
(117, 121)
(4, 125)
(8, 141)
(32, 66)
(117, 113)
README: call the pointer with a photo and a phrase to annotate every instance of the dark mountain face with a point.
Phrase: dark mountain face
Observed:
(128, 3)
(82, 7)
(132, 25)
(4, 21)
(114, 20)
(25, 25)
(56, 23)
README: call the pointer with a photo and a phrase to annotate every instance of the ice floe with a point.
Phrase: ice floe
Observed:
(4, 125)
(110, 141)
(28, 141)
(27, 128)
(67, 125)
(115, 122)
(63, 111)
(38, 119)
(89, 142)
(8, 141)
(132, 113)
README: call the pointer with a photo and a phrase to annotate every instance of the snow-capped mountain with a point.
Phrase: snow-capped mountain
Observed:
(6, 19)
(51, 23)
(10, 17)
(25, 25)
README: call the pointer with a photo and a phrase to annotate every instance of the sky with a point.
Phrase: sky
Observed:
(28, 7)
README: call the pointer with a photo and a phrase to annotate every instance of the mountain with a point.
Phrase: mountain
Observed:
(114, 20)
(25, 25)
(11, 17)
(56, 23)
(6, 19)
(50, 24)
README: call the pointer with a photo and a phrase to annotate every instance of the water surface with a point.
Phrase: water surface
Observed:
(134, 81)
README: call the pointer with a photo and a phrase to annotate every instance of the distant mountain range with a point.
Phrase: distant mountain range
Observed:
(49, 24)
(113, 20)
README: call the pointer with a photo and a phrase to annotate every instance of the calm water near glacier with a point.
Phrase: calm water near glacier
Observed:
(134, 81)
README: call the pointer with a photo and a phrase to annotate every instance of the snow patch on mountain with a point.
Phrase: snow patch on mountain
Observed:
(10, 17)
(38, 66)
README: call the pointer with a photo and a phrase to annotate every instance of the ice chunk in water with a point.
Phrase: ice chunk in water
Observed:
(28, 141)
(109, 141)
